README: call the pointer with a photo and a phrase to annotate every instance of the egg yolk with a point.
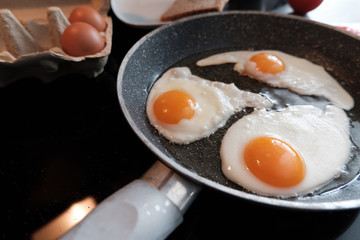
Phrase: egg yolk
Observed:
(274, 162)
(268, 63)
(173, 106)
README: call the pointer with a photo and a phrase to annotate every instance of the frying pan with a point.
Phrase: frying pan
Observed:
(184, 42)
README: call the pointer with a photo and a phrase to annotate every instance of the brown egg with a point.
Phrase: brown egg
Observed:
(88, 15)
(81, 39)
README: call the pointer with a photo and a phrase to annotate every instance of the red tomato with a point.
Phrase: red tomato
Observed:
(80, 39)
(88, 15)
(304, 6)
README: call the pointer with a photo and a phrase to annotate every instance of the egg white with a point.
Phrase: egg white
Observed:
(320, 137)
(301, 76)
(215, 103)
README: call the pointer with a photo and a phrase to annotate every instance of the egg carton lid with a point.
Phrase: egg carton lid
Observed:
(30, 46)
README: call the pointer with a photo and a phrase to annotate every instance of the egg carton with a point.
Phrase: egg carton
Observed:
(30, 40)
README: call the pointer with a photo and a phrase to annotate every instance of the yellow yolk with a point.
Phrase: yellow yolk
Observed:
(172, 106)
(274, 162)
(268, 63)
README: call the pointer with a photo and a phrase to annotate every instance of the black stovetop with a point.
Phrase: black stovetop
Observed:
(65, 141)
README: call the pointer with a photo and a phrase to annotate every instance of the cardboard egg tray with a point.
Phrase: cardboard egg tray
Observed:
(30, 40)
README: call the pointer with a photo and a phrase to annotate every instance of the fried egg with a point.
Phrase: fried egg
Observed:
(282, 70)
(185, 108)
(286, 153)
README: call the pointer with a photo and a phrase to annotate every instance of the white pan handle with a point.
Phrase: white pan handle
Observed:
(148, 208)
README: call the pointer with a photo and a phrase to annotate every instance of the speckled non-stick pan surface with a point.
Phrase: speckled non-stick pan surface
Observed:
(183, 43)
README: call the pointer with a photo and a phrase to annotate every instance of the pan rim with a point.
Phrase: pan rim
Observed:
(276, 202)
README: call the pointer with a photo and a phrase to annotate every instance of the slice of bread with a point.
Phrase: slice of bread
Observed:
(183, 8)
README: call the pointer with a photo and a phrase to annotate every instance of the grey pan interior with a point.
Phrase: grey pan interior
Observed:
(182, 43)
